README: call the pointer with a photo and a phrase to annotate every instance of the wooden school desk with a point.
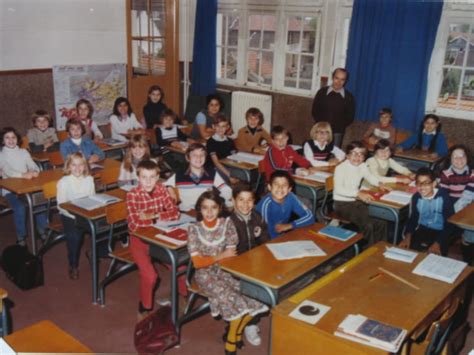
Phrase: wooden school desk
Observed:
(269, 280)
(414, 159)
(44, 337)
(464, 219)
(390, 211)
(311, 189)
(32, 189)
(349, 290)
(94, 222)
(244, 171)
(168, 253)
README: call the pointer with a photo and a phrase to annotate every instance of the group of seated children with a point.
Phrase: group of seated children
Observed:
(229, 221)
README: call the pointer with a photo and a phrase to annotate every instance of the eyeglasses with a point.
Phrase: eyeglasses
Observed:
(423, 183)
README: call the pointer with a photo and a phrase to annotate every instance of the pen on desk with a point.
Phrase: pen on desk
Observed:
(373, 277)
(399, 278)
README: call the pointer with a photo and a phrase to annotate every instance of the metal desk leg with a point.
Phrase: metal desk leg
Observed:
(174, 286)
(31, 217)
(95, 271)
(272, 296)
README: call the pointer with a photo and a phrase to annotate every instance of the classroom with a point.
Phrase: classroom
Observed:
(238, 176)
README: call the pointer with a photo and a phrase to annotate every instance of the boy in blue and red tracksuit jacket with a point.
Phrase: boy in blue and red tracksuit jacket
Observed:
(428, 226)
(278, 205)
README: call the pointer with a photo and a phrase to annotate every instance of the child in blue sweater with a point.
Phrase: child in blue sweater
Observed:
(79, 142)
(429, 138)
(278, 205)
(428, 226)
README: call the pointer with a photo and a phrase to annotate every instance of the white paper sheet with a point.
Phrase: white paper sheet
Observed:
(295, 250)
(440, 268)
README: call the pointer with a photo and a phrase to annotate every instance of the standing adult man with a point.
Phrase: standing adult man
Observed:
(335, 105)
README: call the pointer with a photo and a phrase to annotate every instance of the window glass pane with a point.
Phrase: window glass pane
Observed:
(139, 18)
(269, 29)
(467, 92)
(291, 68)
(232, 30)
(253, 67)
(267, 67)
(293, 35)
(140, 57)
(158, 18)
(470, 55)
(306, 72)
(456, 44)
(255, 27)
(231, 70)
(309, 34)
(449, 89)
(158, 58)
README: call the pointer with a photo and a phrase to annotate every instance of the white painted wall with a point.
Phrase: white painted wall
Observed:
(43, 33)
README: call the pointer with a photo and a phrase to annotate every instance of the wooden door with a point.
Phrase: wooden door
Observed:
(152, 51)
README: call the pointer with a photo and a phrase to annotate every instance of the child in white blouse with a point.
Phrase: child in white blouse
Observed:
(76, 183)
(381, 162)
(320, 149)
(123, 120)
(16, 162)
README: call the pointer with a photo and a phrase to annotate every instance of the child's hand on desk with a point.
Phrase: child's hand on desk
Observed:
(405, 243)
(364, 197)
(333, 161)
(259, 150)
(283, 227)
(313, 170)
(385, 188)
(228, 253)
(94, 159)
(404, 180)
(146, 216)
(175, 144)
(435, 248)
(29, 175)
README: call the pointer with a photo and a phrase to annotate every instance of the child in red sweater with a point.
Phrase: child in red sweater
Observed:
(280, 156)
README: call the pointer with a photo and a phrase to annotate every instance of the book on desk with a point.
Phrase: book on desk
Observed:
(371, 332)
(95, 201)
(176, 236)
(337, 233)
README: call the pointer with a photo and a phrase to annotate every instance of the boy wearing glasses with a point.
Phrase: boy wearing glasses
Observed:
(349, 201)
(320, 150)
(428, 227)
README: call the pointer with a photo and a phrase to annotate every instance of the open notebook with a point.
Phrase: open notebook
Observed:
(95, 201)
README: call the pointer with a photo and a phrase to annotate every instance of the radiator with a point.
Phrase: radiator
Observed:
(242, 101)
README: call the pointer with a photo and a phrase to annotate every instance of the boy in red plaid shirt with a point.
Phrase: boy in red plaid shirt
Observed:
(148, 202)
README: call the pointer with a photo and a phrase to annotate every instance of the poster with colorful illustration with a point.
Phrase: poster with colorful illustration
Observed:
(101, 84)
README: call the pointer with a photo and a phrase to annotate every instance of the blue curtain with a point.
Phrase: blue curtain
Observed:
(390, 45)
(204, 49)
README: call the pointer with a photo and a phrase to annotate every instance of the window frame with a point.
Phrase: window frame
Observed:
(435, 77)
(281, 12)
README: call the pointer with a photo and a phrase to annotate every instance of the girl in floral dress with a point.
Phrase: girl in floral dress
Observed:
(210, 240)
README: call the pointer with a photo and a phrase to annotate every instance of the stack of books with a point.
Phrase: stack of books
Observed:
(406, 256)
(177, 236)
(370, 332)
(397, 196)
(338, 233)
(295, 250)
(175, 232)
(243, 157)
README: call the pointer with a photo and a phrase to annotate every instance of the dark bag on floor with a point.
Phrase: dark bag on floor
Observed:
(155, 333)
(23, 268)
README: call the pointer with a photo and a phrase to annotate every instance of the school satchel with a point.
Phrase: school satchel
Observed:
(156, 333)
(23, 268)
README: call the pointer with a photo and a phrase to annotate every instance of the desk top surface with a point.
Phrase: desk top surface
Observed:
(349, 290)
(416, 154)
(259, 265)
(239, 164)
(383, 203)
(22, 186)
(464, 218)
(45, 337)
(95, 213)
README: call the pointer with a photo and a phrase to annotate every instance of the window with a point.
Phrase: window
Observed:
(301, 38)
(270, 44)
(147, 35)
(457, 85)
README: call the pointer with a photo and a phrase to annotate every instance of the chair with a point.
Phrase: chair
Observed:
(194, 293)
(4, 330)
(55, 159)
(116, 216)
(62, 135)
(326, 210)
(436, 339)
(54, 229)
(25, 143)
(109, 178)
